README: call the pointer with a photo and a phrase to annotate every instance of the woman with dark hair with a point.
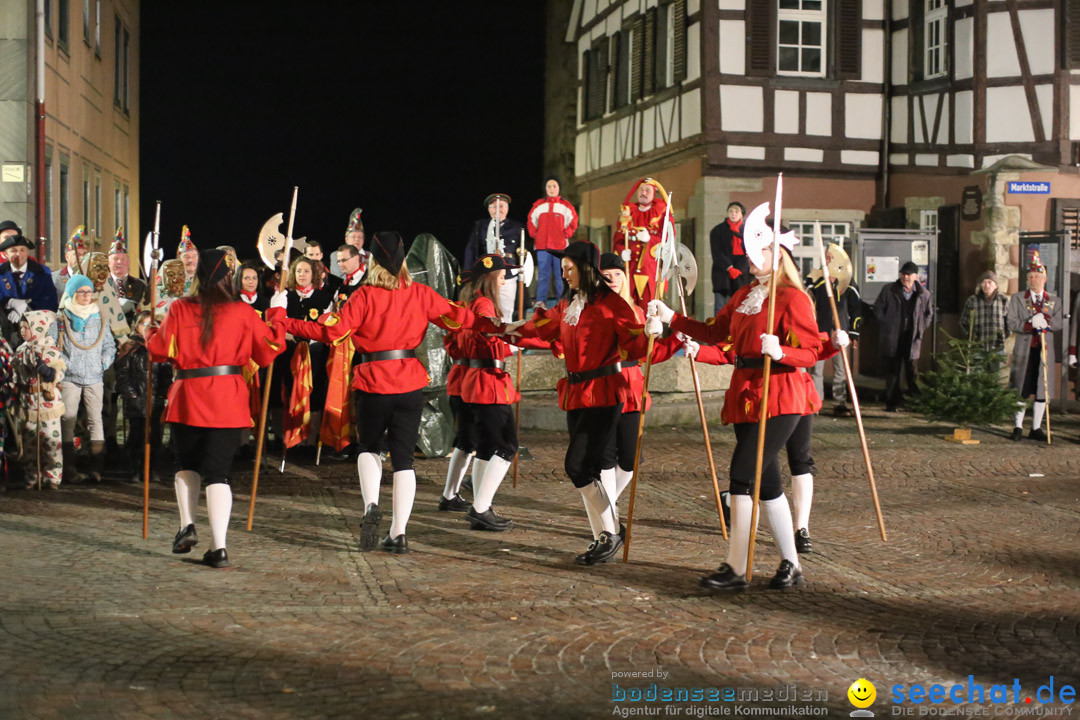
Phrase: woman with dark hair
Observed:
(386, 319)
(598, 330)
(209, 338)
(730, 268)
(248, 288)
(793, 342)
(307, 300)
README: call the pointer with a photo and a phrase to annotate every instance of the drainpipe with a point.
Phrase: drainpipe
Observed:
(886, 106)
(39, 109)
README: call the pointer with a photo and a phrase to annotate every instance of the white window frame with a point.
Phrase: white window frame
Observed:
(669, 44)
(934, 42)
(832, 231)
(803, 16)
(928, 219)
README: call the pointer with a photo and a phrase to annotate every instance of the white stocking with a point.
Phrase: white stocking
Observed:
(455, 473)
(404, 494)
(778, 514)
(802, 491)
(596, 503)
(1037, 412)
(187, 484)
(219, 508)
(370, 470)
(493, 477)
(739, 533)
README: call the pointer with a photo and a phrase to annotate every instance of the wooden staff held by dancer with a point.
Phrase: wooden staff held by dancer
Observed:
(521, 316)
(664, 236)
(850, 380)
(260, 437)
(152, 279)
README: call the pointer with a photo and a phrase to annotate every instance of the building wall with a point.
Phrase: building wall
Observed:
(86, 131)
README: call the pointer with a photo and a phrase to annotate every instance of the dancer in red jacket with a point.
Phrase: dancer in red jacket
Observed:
(793, 342)
(386, 319)
(210, 338)
(598, 330)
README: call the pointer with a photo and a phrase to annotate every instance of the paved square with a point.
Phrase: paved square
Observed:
(980, 576)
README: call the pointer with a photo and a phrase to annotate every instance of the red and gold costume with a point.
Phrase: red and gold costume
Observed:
(643, 255)
(488, 385)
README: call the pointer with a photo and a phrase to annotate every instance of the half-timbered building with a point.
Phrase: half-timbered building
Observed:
(878, 112)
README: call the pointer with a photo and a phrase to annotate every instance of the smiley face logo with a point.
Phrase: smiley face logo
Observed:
(862, 693)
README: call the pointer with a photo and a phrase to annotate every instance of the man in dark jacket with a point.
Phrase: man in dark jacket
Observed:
(24, 285)
(497, 234)
(730, 268)
(904, 312)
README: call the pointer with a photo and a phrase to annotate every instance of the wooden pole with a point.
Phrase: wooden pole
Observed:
(851, 385)
(763, 411)
(704, 424)
(37, 432)
(517, 382)
(1046, 384)
(644, 395)
(260, 437)
(151, 276)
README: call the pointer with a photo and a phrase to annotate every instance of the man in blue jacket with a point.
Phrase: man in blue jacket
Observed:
(25, 285)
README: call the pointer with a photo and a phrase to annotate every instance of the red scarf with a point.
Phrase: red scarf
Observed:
(305, 292)
(249, 298)
(736, 238)
(349, 277)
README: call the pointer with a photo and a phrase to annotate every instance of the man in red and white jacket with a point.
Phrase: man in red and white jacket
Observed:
(552, 222)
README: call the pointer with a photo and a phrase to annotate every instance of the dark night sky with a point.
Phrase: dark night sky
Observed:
(412, 111)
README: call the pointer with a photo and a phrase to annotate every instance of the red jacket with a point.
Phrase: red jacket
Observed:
(795, 325)
(551, 223)
(488, 386)
(377, 320)
(239, 335)
(635, 375)
(453, 350)
(607, 332)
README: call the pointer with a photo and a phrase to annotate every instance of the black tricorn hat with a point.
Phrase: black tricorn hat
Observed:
(15, 241)
(583, 251)
(611, 261)
(213, 266)
(388, 249)
(10, 225)
(489, 263)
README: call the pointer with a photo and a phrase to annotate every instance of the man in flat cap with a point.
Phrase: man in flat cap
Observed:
(498, 235)
(25, 285)
(904, 311)
(983, 318)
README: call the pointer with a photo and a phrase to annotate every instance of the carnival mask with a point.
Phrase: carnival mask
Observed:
(96, 267)
(172, 271)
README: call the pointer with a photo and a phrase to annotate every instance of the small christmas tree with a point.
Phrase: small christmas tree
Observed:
(966, 388)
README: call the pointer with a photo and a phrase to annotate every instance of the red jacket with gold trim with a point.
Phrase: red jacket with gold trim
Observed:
(239, 335)
(377, 320)
(739, 332)
(488, 386)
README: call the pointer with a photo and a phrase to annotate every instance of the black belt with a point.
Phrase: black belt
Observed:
(575, 378)
(480, 363)
(387, 355)
(749, 363)
(213, 371)
(629, 364)
(759, 364)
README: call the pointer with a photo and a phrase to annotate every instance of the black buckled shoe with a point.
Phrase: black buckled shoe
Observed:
(488, 520)
(600, 550)
(398, 545)
(369, 528)
(1037, 434)
(1017, 434)
(842, 411)
(186, 538)
(216, 558)
(787, 576)
(802, 541)
(456, 504)
(725, 578)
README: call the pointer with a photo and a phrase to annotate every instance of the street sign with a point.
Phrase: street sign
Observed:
(1029, 188)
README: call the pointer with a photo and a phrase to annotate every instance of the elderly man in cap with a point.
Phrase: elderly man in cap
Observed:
(25, 285)
(1032, 316)
(904, 311)
(498, 235)
(983, 318)
(130, 290)
(354, 235)
(7, 229)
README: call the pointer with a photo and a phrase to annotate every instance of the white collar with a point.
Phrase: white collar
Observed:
(119, 280)
(19, 269)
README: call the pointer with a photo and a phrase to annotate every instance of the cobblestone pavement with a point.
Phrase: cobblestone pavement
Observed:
(980, 576)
